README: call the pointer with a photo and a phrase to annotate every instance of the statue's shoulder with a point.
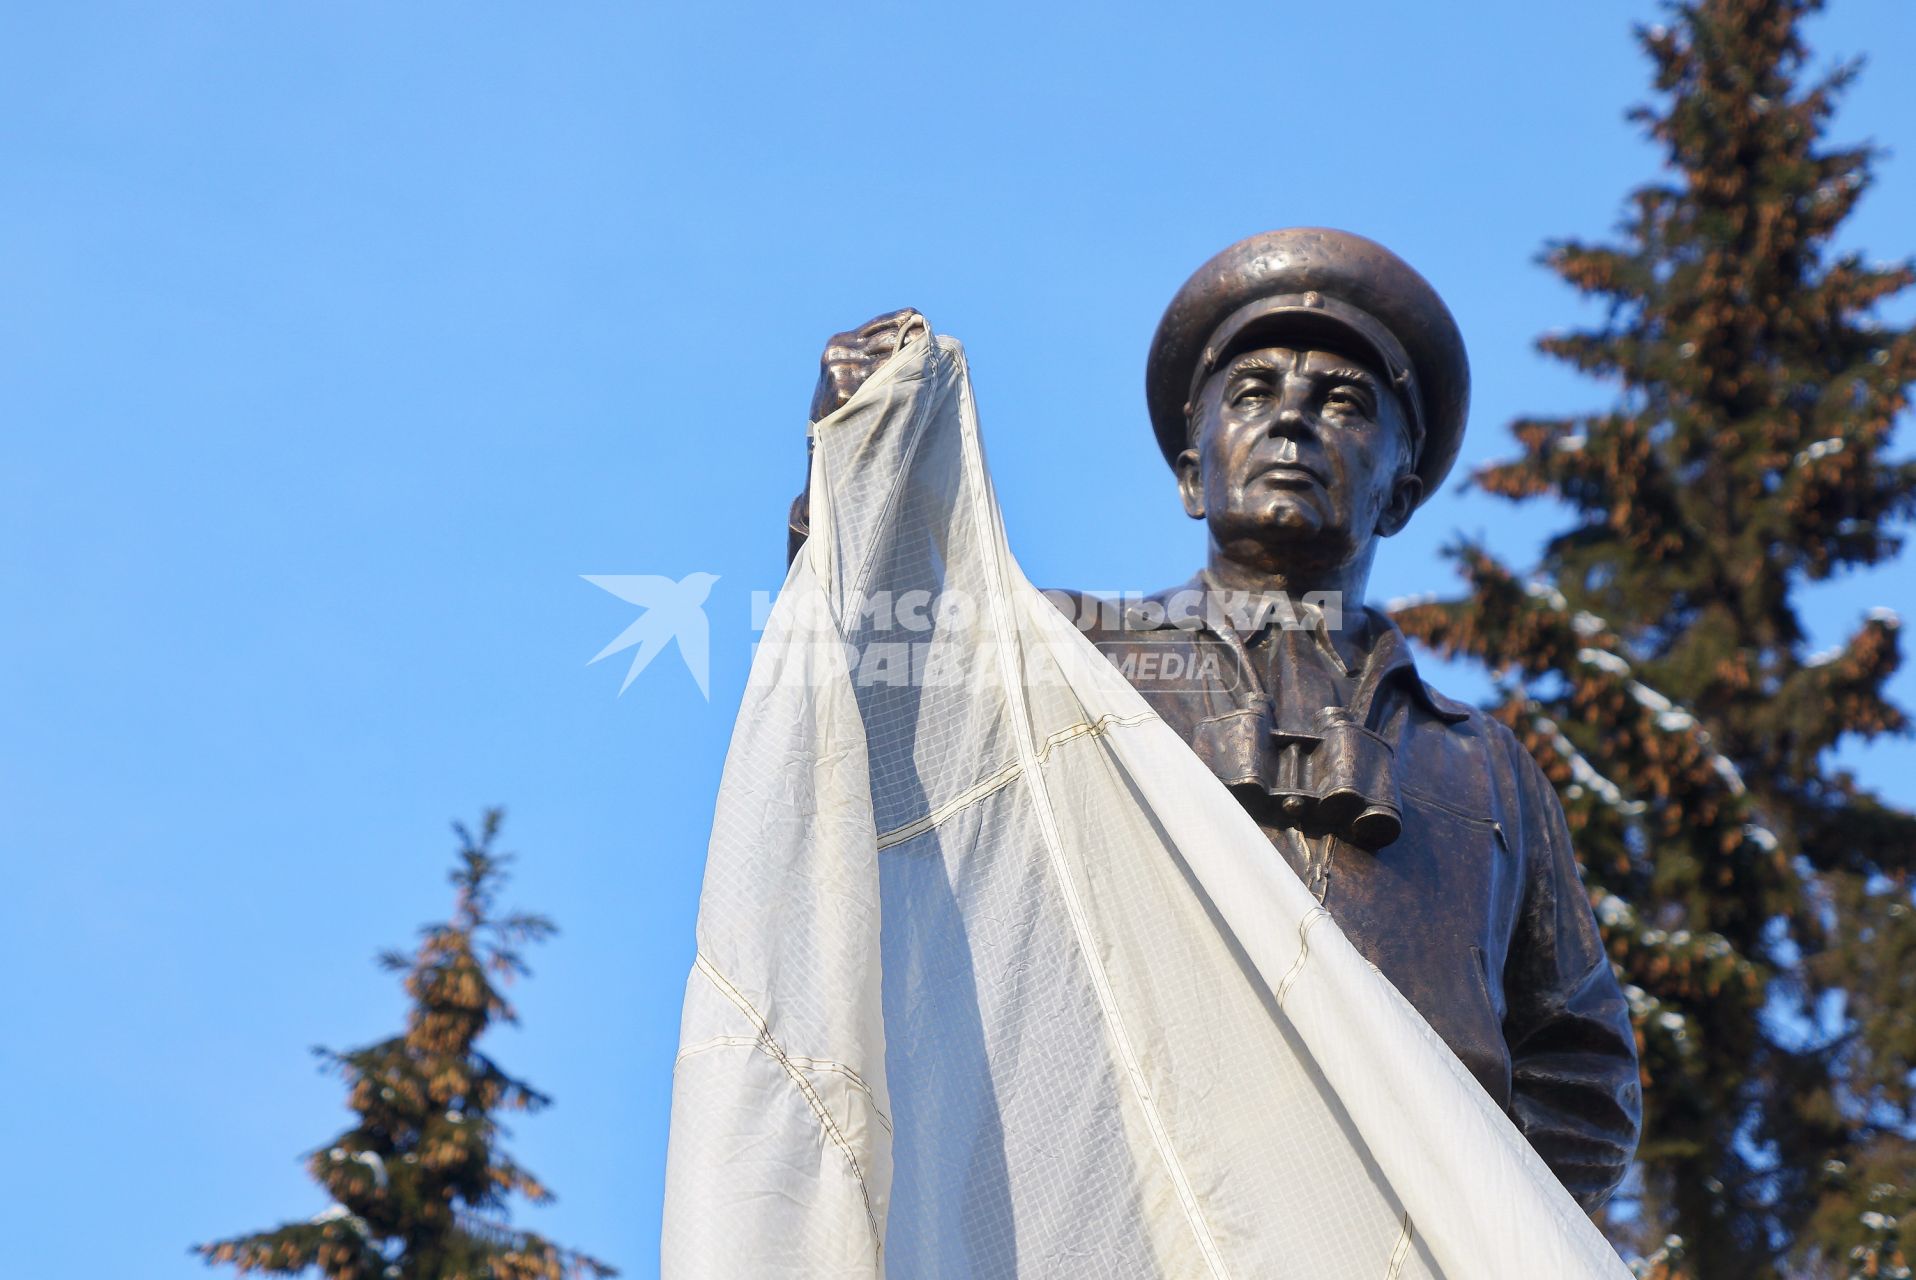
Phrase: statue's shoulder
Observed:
(1100, 613)
(1478, 763)
(1074, 603)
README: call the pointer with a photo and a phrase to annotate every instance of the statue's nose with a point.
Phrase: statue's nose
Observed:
(1289, 421)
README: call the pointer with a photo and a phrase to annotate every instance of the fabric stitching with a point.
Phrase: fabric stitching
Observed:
(1092, 729)
(716, 1042)
(964, 799)
(1401, 1252)
(1304, 928)
(803, 1064)
(998, 593)
(998, 781)
(797, 1077)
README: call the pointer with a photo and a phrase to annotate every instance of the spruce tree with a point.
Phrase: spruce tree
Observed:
(1755, 898)
(419, 1183)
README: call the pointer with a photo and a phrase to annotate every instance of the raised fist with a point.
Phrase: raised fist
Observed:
(849, 359)
(853, 356)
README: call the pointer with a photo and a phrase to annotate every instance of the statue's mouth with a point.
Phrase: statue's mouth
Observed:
(1289, 475)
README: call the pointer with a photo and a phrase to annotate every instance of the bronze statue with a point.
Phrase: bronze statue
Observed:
(1309, 389)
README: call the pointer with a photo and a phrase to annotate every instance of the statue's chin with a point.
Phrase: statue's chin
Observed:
(1281, 518)
(1285, 537)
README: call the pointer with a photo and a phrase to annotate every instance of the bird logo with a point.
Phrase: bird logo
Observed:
(673, 611)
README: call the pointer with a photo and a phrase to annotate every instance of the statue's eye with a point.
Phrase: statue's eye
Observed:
(1345, 400)
(1249, 394)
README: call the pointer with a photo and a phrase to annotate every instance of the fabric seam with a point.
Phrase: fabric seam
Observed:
(997, 591)
(797, 1077)
(1004, 777)
(803, 1064)
(1304, 928)
(1401, 1252)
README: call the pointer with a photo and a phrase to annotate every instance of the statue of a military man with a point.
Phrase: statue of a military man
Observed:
(1309, 389)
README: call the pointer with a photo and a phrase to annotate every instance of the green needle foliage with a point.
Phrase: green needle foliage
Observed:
(420, 1183)
(1755, 897)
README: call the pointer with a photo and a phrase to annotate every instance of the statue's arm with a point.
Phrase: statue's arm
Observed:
(1575, 1091)
(848, 360)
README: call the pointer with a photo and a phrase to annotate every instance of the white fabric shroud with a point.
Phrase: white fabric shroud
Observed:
(994, 978)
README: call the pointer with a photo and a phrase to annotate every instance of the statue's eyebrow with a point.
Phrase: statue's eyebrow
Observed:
(1255, 362)
(1348, 373)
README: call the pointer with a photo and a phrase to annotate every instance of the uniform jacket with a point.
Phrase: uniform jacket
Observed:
(1474, 911)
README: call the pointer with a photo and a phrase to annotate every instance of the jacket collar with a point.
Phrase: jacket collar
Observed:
(1192, 606)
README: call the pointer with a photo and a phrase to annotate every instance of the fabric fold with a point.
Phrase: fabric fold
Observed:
(995, 977)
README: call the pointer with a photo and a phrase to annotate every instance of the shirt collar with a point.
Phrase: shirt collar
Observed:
(1190, 607)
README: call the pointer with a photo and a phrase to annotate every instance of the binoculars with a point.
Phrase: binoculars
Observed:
(1337, 779)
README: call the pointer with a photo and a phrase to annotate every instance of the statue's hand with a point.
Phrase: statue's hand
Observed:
(849, 359)
(853, 356)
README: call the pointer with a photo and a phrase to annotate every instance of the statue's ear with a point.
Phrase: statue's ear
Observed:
(1397, 509)
(1191, 483)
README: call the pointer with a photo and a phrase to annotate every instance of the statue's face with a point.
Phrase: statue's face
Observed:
(1300, 459)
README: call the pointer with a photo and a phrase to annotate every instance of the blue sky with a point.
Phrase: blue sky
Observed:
(338, 340)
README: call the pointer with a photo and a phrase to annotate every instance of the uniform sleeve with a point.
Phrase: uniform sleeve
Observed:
(1575, 1092)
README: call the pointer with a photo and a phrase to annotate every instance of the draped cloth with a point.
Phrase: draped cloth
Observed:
(995, 978)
